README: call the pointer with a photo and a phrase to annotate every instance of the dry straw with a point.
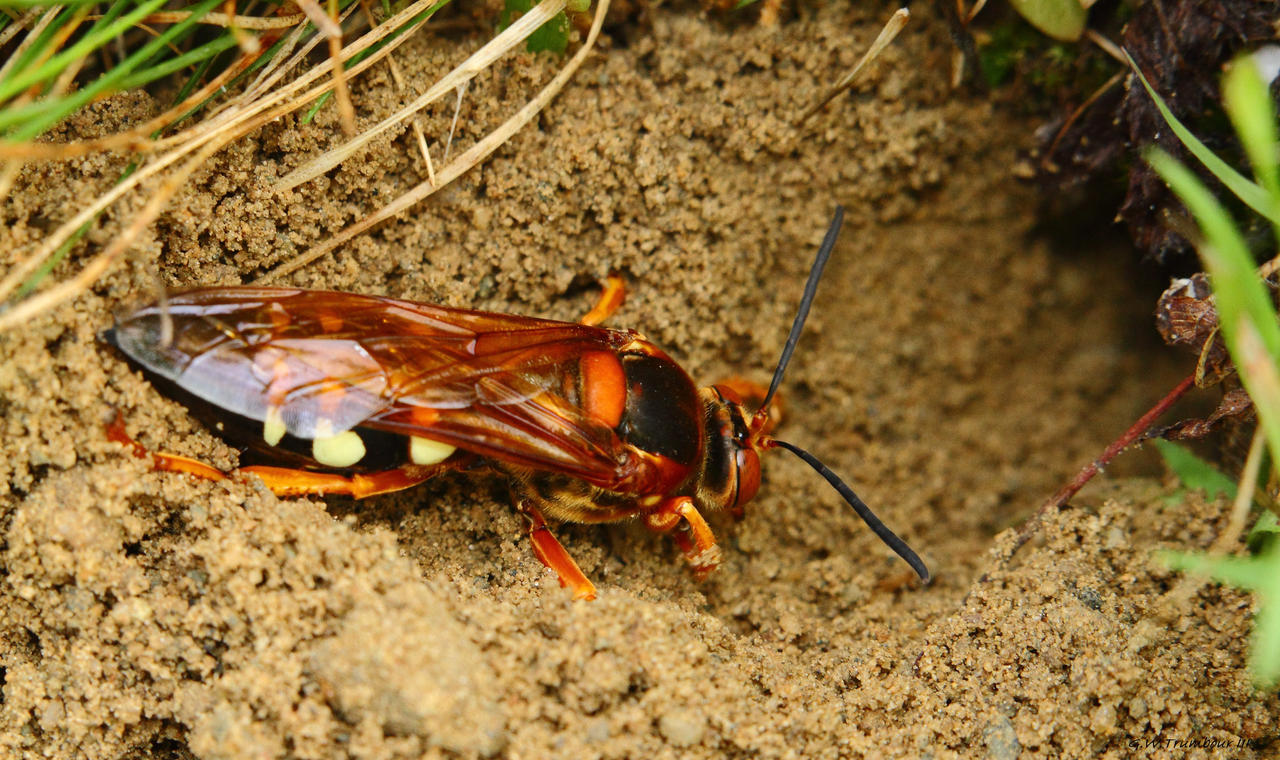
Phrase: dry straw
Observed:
(274, 92)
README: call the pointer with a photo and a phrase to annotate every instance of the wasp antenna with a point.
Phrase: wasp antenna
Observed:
(810, 288)
(887, 536)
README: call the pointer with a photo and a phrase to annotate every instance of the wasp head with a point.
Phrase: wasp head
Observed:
(731, 459)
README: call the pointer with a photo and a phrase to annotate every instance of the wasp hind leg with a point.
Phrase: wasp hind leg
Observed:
(552, 553)
(691, 534)
(284, 481)
(159, 461)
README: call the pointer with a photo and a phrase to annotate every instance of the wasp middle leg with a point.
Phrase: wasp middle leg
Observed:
(552, 553)
(160, 461)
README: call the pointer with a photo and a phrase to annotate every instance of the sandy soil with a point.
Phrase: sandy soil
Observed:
(955, 370)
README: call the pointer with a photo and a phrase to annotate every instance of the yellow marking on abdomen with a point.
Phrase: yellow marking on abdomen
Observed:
(273, 428)
(424, 451)
(341, 450)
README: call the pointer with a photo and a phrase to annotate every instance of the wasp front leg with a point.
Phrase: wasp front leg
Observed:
(692, 534)
(612, 294)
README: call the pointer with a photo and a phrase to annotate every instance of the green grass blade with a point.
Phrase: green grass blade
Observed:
(1264, 654)
(1242, 572)
(39, 3)
(193, 81)
(24, 78)
(1236, 284)
(33, 281)
(68, 16)
(1253, 195)
(1248, 104)
(358, 57)
(38, 117)
(315, 107)
(1245, 311)
(1249, 325)
(204, 52)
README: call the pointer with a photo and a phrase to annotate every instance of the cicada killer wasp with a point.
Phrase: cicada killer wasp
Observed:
(363, 395)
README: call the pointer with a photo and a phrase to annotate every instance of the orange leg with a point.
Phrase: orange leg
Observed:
(163, 462)
(611, 297)
(694, 536)
(552, 553)
(284, 481)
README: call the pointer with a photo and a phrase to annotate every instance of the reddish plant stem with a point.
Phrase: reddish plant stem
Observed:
(1135, 432)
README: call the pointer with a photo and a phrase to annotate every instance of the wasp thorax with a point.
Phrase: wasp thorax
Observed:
(661, 408)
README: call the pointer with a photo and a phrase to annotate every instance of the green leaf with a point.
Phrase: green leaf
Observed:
(1267, 523)
(1264, 532)
(553, 35)
(1251, 194)
(1195, 473)
(1060, 19)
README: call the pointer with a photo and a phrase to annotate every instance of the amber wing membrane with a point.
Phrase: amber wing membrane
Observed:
(498, 385)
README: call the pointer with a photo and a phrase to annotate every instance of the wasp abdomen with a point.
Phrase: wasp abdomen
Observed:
(359, 449)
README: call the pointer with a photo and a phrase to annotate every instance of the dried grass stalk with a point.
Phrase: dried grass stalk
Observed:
(267, 98)
(460, 165)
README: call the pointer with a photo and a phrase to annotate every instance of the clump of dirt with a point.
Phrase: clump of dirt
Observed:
(954, 371)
